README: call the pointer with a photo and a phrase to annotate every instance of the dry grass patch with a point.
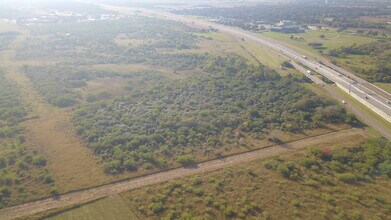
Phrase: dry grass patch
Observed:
(72, 165)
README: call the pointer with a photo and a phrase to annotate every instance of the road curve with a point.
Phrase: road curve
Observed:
(83, 196)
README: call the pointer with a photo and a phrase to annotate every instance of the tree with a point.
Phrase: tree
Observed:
(186, 160)
(287, 64)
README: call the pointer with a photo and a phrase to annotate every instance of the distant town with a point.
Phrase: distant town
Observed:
(57, 16)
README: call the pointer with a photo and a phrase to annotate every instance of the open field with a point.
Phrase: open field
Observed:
(332, 40)
(112, 207)
(253, 52)
(385, 86)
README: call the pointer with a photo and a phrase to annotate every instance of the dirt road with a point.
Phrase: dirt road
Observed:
(114, 188)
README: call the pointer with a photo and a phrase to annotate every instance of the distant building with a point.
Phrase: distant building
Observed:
(285, 23)
(314, 28)
(286, 26)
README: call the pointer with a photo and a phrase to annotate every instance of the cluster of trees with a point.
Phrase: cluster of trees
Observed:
(329, 166)
(330, 15)
(6, 38)
(316, 45)
(199, 114)
(19, 166)
(380, 73)
(370, 33)
(363, 49)
(12, 111)
(378, 52)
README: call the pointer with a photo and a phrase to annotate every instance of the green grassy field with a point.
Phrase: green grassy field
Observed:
(113, 207)
(385, 86)
(333, 39)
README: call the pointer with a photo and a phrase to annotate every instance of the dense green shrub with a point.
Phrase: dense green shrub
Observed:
(186, 160)
(348, 165)
(199, 113)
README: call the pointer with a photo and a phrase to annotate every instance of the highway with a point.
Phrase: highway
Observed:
(357, 87)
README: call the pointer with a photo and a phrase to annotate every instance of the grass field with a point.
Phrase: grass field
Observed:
(253, 52)
(333, 39)
(385, 86)
(113, 207)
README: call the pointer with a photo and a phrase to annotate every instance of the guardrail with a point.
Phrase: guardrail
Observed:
(366, 103)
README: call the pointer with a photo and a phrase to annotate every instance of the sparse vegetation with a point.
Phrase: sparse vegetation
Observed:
(308, 184)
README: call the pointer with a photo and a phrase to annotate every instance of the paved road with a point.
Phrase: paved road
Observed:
(312, 77)
(357, 86)
(83, 196)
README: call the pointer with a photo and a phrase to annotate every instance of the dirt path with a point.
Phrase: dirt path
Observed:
(52, 134)
(31, 208)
